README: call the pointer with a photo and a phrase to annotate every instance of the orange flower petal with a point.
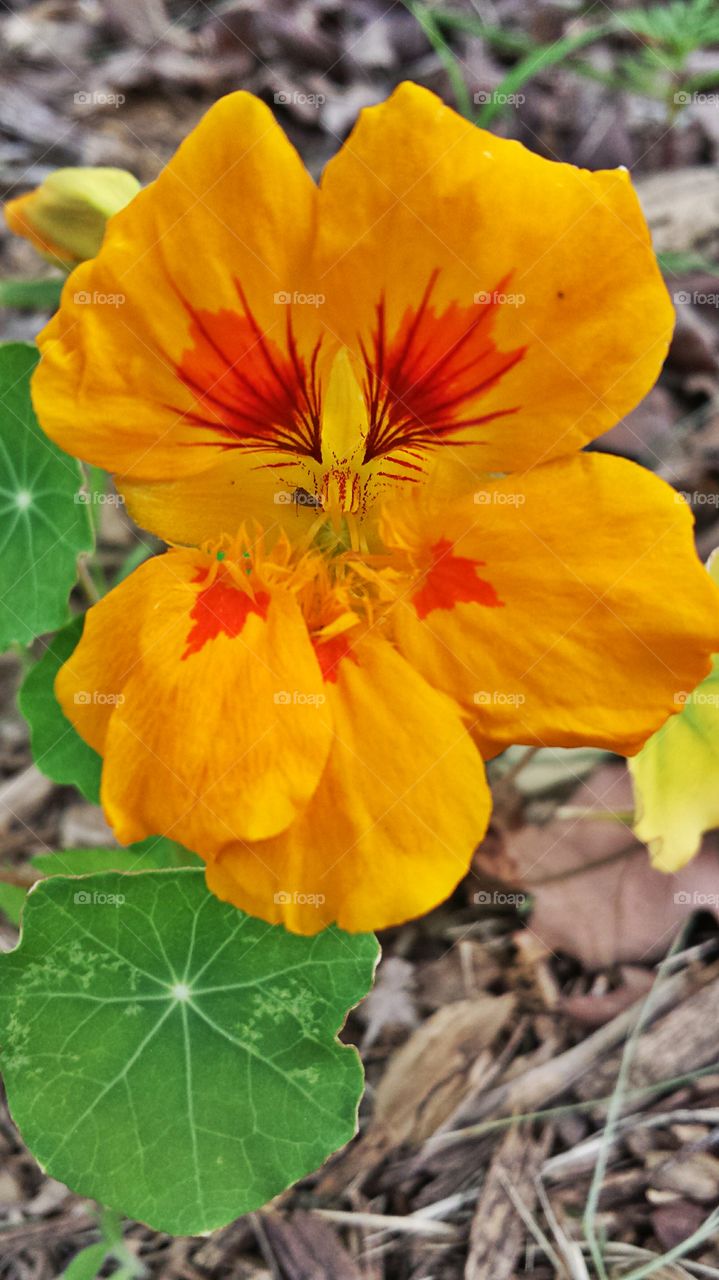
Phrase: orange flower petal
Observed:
(606, 612)
(426, 220)
(193, 509)
(218, 729)
(135, 370)
(392, 826)
(499, 305)
(91, 682)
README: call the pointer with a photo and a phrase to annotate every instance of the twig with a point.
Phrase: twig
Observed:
(646, 1012)
(569, 1249)
(582, 1157)
(410, 1225)
(527, 1092)
(532, 1227)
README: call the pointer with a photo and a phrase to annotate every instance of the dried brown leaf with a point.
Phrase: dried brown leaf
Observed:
(427, 1078)
(596, 895)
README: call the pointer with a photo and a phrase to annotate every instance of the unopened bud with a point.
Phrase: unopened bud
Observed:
(65, 217)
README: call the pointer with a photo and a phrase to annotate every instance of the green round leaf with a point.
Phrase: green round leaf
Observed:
(172, 1057)
(57, 747)
(153, 854)
(43, 526)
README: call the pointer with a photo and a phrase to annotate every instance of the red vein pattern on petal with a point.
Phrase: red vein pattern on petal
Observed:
(418, 382)
(249, 390)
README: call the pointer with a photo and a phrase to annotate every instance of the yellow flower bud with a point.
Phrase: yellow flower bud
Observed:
(64, 218)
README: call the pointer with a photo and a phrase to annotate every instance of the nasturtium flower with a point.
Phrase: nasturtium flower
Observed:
(357, 414)
(65, 217)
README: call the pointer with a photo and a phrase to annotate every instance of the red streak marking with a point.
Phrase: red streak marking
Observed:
(222, 610)
(329, 655)
(418, 383)
(250, 391)
(452, 580)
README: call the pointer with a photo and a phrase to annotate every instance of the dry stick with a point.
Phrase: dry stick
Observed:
(495, 1236)
(582, 1157)
(17, 1238)
(264, 1245)
(21, 794)
(647, 1011)
(458, 1136)
(448, 1204)
(574, 812)
(532, 1226)
(410, 1225)
(621, 1254)
(685, 1036)
(569, 1249)
(376, 1241)
(529, 1091)
(699, 951)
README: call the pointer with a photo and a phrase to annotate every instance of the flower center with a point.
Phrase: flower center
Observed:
(341, 427)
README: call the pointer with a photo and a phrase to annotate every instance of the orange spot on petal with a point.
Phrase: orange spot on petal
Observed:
(329, 655)
(222, 610)
(452, 580)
